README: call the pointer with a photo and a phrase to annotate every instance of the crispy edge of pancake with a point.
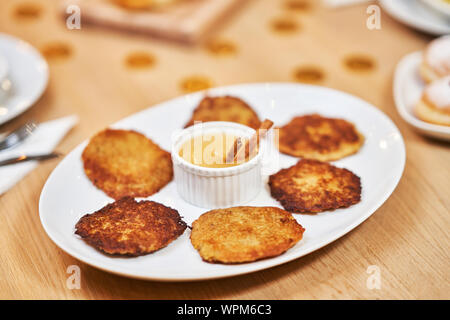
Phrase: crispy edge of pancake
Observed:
(103, 178)
(166, 226)
(207, 101)
(344, 149)
(298, 201)
(215, 237)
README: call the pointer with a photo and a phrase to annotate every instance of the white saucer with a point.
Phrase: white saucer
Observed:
(417, 15)
(408, 88)
(28, 72)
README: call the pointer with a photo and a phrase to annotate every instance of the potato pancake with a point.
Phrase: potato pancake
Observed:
(244, 234)
(320, 138)
(312, 186)
(127, 227)
(225, 108)
(126, 163)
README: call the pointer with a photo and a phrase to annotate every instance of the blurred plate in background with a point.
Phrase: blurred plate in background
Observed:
(416, 14)
(441, 6)
(408, 88)
(28, 73)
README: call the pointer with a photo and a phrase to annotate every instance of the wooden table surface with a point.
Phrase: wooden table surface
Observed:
(407, 238)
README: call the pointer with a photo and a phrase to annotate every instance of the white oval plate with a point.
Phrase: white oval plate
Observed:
(68, 194)
(28, 72)
(408, 88)
(417, 15)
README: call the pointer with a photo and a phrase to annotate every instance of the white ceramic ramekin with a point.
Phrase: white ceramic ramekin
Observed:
(215, 187)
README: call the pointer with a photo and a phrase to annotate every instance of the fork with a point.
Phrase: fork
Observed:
(17, 136)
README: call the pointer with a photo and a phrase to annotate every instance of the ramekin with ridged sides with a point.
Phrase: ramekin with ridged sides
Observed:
(216, 187)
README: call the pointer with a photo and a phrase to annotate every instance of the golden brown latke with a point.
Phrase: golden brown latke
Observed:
(244, 234)
(317, 137)
(126, 163)
(225, 108)
(127, 227)
(312, 186)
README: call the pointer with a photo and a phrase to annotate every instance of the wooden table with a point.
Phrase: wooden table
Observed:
(407, 238)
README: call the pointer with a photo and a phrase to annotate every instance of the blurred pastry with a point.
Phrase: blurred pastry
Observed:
(225, 108)
(317, 137)
(127, 227)
(244, 234)
(126, 163)
(436, 59)
(312, 186)
(434, 106)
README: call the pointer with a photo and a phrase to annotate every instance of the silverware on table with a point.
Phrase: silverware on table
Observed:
(25, 158)
(17, 136)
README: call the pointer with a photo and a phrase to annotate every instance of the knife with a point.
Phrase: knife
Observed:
(24, 158)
